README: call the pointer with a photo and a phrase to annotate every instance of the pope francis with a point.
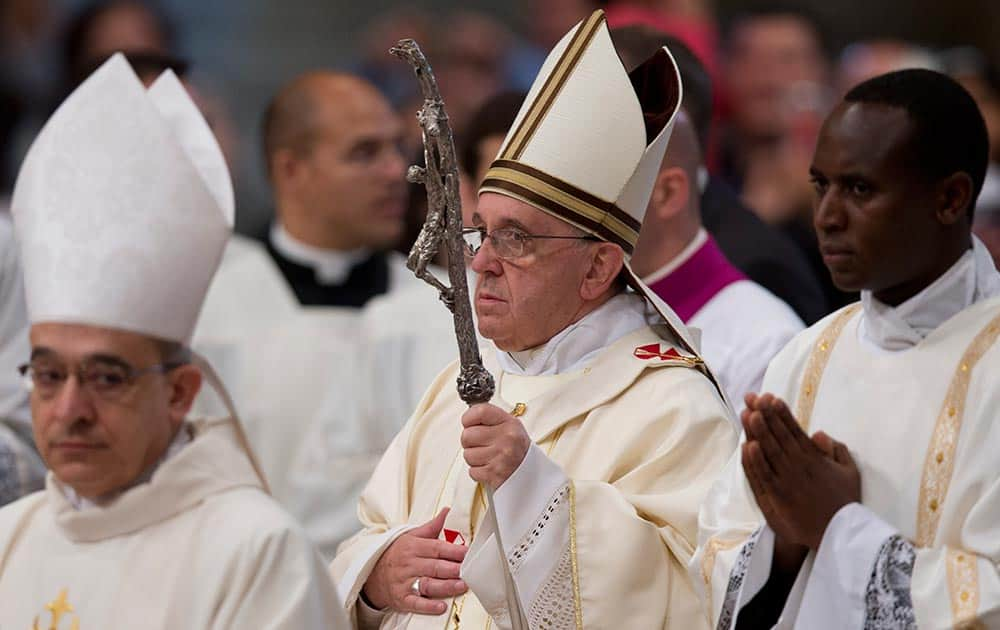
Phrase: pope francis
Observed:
(148, 520)
(606, 429)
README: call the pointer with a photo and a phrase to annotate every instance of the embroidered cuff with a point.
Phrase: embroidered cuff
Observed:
(526, 494)
(888, 603)
(852, 540)
(357, 573)
(835, 591)
(737, 576)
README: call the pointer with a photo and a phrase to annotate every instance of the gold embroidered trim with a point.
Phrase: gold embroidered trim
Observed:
(455, 616)
(817, 363)
(59, 608)
(940, 460)
(587, 211)
(577, 603)
(712, 549)
(554, 440)
(963, 585)
(444, 484)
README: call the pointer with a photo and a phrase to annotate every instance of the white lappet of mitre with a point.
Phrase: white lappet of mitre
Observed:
(123, 207)
(587, 145)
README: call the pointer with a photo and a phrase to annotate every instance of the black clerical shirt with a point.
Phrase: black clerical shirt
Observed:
(366, 280)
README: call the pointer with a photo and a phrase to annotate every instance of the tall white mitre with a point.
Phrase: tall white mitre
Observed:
(588, 142)
(123, 207)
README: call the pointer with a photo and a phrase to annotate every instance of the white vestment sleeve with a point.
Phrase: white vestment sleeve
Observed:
(534, 519)
(364, 560)
(837, 589)
(733, 559)
(865, 574)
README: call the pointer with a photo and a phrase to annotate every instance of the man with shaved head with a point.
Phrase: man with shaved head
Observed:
(687, 263)
(742, 324)
(293, 323)
(330, 142)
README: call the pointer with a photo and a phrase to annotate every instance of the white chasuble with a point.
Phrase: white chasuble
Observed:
(921, 549)
(599, 520)
(198, 546)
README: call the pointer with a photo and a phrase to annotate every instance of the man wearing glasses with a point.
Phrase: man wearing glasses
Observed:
(148, 520)
(606, 429)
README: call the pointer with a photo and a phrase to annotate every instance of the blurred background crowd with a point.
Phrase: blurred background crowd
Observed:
(775, 68)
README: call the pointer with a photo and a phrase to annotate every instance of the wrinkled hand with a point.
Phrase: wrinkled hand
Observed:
(495, 444)
(799, 483)
(417, 554)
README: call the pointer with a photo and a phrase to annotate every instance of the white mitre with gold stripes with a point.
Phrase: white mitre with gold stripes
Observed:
(588, 142)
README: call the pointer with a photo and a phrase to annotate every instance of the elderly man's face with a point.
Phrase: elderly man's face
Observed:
(523, 303)
(100, 436)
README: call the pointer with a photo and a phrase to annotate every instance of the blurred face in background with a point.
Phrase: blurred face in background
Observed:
(127, 26)
(865, 60)
(551, 19)
(349, 183)
(473, 51)
(773, 61)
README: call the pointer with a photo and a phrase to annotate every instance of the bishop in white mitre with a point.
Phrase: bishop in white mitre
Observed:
(148, 519)
(606, 429)
(889, 515)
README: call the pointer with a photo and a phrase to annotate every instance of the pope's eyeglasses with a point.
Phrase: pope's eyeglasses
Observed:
(509, 243)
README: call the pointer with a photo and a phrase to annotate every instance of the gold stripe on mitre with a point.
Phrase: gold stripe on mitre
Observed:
(564, 201)
(553, 84)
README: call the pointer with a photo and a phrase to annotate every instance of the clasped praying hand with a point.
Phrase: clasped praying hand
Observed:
(799, 482)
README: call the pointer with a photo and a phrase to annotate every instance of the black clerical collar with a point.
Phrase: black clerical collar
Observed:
(332, 266)
(366, 278)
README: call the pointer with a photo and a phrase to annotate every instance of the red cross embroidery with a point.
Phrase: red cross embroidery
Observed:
(454, 537)
(652, 351)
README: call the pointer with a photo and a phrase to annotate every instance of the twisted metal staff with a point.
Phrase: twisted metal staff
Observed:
(444, 225)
